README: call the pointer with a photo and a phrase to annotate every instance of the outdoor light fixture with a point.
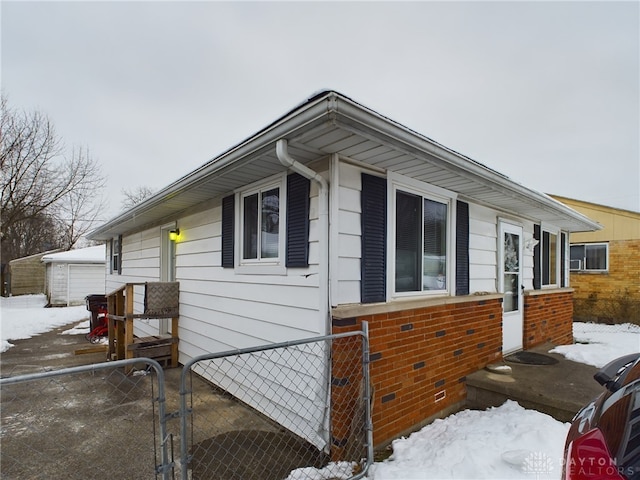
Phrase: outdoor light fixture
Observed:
(531, 243)
(174, 234)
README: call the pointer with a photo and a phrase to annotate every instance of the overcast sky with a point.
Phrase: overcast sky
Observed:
(544, 92)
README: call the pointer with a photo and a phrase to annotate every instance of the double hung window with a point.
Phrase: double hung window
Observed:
(422, 237)
(550, 258)
(116, 255)
(261, 233)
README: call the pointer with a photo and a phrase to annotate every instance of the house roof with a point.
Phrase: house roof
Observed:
(328, 123)
(81, 255)
(32, 257)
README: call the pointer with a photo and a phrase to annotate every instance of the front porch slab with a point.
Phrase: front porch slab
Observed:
(559, 390)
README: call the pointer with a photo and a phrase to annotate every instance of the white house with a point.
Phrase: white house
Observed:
(72, 275)
(335, 213)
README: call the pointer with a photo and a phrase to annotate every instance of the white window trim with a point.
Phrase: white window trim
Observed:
(271, 266)
(397, 182)
(553, 230)
(115, 250)
(590, 270)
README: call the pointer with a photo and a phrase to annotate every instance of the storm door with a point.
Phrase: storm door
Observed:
(167, 266)
(510, 284)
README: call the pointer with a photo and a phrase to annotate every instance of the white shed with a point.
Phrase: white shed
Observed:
(71, 276)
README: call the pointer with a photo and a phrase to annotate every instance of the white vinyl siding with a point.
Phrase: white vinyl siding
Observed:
(221, 309)
(483, 252)
(349, 243)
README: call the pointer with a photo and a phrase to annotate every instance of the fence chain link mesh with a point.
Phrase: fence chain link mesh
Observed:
(294, 411)
(290, 394)
(91, 422)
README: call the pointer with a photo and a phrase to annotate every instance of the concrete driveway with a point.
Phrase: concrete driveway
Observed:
(105, 424)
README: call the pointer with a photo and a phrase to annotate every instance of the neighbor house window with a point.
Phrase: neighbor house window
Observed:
(421, 242)
(589, 257)
(261, 233)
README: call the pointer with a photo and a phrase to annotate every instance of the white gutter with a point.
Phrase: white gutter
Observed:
(323, 218)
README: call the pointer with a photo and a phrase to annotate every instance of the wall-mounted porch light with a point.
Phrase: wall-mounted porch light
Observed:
(174, 234)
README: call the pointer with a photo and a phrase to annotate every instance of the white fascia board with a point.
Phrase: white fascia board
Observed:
(349, 112)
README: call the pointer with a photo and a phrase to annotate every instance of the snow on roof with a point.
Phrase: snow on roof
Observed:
(82, 255)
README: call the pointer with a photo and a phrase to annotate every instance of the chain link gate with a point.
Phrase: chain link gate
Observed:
(312, 423)
(295, 410)
(87, 422)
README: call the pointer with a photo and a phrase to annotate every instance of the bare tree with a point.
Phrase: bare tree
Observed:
(133, 197)
(47, 196)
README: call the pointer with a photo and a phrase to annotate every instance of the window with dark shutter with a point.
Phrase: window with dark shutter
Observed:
(228, 213)
(374, 239)
(462, 248)
(298, 189)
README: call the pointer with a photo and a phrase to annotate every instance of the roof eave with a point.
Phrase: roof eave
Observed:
(313, 111)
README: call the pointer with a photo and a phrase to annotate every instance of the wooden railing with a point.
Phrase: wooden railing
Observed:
(161, 300)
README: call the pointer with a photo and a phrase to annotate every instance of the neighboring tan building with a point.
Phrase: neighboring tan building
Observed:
(605, 264)
(27, 274)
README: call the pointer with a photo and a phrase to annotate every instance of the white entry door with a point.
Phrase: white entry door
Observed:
(167, 266)
(510, 282)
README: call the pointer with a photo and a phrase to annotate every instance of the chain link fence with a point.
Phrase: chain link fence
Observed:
(607, 309)
(88, 422)
(295, 411)
(290, 387)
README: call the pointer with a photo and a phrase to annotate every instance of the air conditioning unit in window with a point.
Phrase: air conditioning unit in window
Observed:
(575, 265)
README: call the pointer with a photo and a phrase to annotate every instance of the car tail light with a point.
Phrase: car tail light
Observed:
(588, 458)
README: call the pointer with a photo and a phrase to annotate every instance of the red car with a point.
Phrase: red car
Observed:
(604, 439)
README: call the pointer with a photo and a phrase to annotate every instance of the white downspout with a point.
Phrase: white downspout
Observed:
(323, 277)
(323, 227)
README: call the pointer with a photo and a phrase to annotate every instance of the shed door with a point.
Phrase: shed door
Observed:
(510, 281)
(58, 287)
(85, 280)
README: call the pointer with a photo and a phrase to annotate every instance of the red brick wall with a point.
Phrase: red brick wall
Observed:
(419, 359)
(548, 317)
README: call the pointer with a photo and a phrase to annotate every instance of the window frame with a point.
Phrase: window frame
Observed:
(268, 265)
(582, 268)
(115, 255)
(558, 270)
(397, 182)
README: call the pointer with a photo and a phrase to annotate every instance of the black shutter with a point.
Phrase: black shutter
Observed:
(537, 280)
(373, 271)
(228, 215)
(462, 248)
(119, 254)
(563, 257)
(298, 189)
(111, 255)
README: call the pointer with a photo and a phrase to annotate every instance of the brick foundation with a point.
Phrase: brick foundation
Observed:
(419, 359)
(548, 317)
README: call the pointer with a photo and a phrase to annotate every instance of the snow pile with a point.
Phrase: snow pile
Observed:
(598, 344)
(506, 442)
(25, 316)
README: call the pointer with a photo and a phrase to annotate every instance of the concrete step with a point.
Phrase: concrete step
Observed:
(559, 390)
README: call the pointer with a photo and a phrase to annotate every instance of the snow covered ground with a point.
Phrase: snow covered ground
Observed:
(25, 316)
(506, 442)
